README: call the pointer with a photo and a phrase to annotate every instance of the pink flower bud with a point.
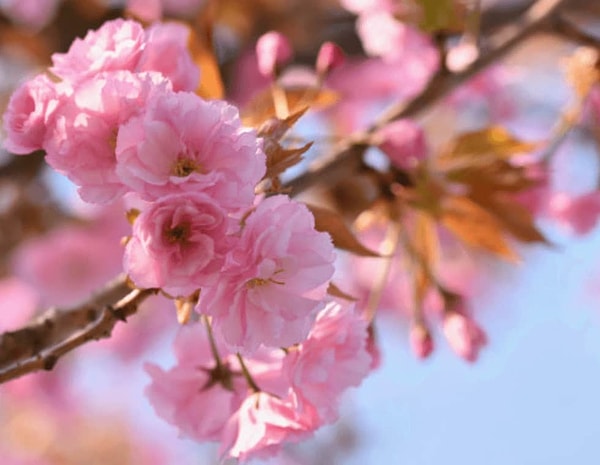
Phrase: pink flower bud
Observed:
(403, 141)
(273, 50)
(580, 214)
(421, 341)
(465, 337)
(330, 57)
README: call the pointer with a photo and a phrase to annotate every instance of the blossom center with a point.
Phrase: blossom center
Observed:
(256, 282)
(184, 167)
(178, 233)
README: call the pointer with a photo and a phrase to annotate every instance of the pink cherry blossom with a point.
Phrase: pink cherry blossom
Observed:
(116, 45)
(81, 140)
(364, 6)
(178, 244)
(333, 358)
(68, 264)
(195, 395)
(578, 213)
(261, 426)
(274, 280)
(384, 36)
(18, 300)
(166, 51)
(403, 141)
(272, 51)
(26, 117)
(182, 143)
(400, 79)
(463, 334)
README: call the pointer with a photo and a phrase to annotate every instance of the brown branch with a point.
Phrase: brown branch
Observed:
(349, 153)
(39, 345)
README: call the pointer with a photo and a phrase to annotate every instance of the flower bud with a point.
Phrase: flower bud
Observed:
(330, 57)
(421, 341)
(273, 50)
(464, 335)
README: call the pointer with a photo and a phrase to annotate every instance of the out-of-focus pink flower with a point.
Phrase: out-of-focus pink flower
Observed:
(80, 141)
(401, 78)
(247, 80)
(27, 114)
(364, 6)
(273, 281)
(116, 45)
(178, 244)
(461, 56)
(145, 10)
(166, 51)
(464, 335)
(580, 214)
(489, 90)
(403, 141)
(330, 57)
(421, 341)
(194, 395)
(68, 264)
(593, 103)
(182, 143)
(261, 426)
(18, 302)
(333, 358)
(384, 36)
(272, 51)
(34, 14)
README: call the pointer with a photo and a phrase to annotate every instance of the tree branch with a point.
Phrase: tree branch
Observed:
(349, 153)
(39, 345)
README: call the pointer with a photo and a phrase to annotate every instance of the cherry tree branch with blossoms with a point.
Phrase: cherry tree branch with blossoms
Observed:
(134, 115)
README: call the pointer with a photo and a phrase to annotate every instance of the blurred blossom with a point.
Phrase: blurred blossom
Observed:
(70, 262)
(579, 213)
(32, 14)
(18, 301)
(403, 141)
(463, 334)
(273, 50)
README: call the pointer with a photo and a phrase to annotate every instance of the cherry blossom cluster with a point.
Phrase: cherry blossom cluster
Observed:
(119, 117)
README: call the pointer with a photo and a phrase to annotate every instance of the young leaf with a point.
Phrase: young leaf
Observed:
(337, 292)
(262, 106)
(280, 159)
(493, 141)
(343, 238)
(211, 83)
(475, 226)
(441, 15)
(514, 217)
